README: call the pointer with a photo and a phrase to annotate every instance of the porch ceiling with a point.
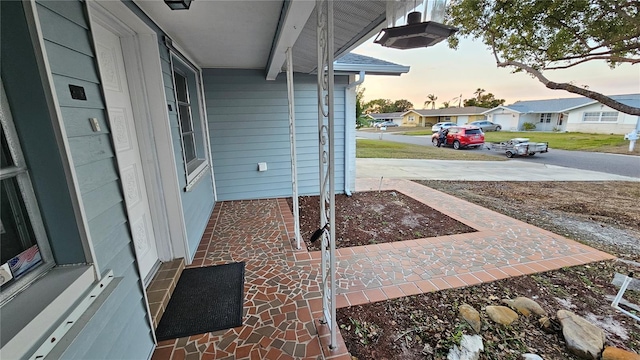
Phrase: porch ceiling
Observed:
(224, 34)
(240, 34)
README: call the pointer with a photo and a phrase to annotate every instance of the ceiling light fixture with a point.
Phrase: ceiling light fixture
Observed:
(415, 34)
(178, 4)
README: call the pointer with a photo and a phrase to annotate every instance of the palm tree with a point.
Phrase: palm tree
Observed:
(478, 93)
(431, 99)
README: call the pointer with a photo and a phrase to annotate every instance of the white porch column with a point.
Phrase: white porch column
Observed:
(326, 162)
(292, 141)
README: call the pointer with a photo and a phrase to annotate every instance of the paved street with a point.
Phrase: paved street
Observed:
(607, 164)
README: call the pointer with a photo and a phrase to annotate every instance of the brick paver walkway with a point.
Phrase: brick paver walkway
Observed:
(282, 293)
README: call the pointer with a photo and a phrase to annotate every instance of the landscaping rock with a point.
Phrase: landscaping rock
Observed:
(471, 315)
(531, 357)
(470, 348)
(525, 306)
(501, 314)
(545, 323)
(613, 353)
(583, 338)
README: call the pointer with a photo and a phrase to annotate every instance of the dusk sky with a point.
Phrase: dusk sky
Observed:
(448, 73)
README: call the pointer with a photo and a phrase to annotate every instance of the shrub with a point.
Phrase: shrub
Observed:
(362, 122)
(528, 126)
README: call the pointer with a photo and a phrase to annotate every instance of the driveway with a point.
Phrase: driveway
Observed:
(512, 170)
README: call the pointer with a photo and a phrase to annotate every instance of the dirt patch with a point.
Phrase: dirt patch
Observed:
(604, 215)
(374, 217)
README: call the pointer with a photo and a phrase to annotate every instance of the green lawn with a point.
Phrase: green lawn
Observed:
(565, 141)
(369, 148)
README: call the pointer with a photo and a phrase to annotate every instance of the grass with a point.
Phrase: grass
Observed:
(368, 148)
(564, 141)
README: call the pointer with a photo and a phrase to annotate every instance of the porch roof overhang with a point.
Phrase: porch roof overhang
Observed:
(255, 34)
(354, 63)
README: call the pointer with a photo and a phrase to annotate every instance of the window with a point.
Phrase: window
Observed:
(187, 87)
(545, 118)
(412, 119)
(24, 248)
(600, 116)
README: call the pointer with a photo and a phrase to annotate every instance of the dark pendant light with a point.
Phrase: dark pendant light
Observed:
(415, 34)
(178, 4)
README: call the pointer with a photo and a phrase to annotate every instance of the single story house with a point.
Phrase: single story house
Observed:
(428, 117)
(578, 114)
(396, 117)
(124, 122)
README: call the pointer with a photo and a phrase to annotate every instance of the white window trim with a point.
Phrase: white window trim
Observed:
(600, 117)
(203, 165)
(20, 172)
(545, 118)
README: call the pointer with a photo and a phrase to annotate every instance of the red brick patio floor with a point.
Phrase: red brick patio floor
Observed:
(282, 292)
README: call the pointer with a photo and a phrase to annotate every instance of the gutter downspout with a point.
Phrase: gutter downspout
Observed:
(348, 132)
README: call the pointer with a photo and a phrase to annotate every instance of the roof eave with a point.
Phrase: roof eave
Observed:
(396, 70)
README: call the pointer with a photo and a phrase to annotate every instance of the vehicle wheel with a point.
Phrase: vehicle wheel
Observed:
(434, 141)
(456, 145)
(531, 154)
(509, 154)
(498, 128)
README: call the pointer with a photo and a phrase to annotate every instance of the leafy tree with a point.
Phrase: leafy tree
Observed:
(378, 106)
(445, 105)
(483, 100)
(359, 101)
(402, 105)
(537, 36)
(387, 106)
(431, 100)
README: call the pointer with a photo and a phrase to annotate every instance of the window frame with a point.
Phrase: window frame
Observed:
(196, 168)
(20, 172)
(545, 118)
(600, 116)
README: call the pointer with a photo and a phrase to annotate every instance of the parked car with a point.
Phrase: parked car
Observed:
(461, 137)
(435, 128)
(486, 125)
(386, 124)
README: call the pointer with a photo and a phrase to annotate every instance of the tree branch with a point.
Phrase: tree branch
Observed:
(608, 58)
(573, 89)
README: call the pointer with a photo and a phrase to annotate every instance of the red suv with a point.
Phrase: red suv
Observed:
(462, 136)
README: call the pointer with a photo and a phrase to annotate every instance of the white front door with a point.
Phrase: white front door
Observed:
(123, 132)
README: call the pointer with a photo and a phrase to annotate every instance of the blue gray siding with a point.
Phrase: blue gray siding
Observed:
(249, 123)
(71, 57)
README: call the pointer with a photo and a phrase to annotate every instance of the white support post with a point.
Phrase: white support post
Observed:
(292, 141)
(325, 47)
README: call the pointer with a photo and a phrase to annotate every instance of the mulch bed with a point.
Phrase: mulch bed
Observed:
(375, 217)
(404, 328)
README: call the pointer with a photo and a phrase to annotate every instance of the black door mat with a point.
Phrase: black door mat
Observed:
(206, 299)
